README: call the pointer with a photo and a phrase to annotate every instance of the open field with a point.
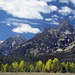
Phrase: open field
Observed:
(36, 73)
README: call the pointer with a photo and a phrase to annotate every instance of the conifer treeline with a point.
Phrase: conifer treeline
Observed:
(50, 66)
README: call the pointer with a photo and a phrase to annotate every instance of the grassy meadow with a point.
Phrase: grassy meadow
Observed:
(24, 73)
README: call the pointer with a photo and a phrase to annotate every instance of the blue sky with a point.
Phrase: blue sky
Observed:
(30, 17)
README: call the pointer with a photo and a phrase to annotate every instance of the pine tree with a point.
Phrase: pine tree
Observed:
(74, 68)
(31, 68)
(68, 67)
(2, 68)
(10, 68)
(52, 67)
(27, 67)
(71, 67)
(6, 67)
(63, 67)
(43, 68)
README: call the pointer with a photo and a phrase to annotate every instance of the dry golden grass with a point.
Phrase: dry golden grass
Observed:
(24, 73)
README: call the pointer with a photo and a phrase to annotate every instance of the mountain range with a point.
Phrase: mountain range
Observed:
(57, 42)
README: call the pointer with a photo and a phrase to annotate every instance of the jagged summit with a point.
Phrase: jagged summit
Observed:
(20, 35)
(20, 38)
(10, 43)
(12, 37)
(64, 25)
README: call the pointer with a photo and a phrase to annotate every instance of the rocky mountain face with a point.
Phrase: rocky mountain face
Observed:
(64, 25)
(59, 39)
(11, 43)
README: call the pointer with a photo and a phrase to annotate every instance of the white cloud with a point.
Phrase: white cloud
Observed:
(48, 19)
(74, 13)
(8, 24)
(71, 17)
(25, 28)
(21, 26)
(48, 0)
(65, 10)
(67, 1)
(54, 22)
(14, 20)
(72, 1)
(11, 20)
(54, 16)
(64, 1)
(25, 8)
(53, 8)
(74, 16)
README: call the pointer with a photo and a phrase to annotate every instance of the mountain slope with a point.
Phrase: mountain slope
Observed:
(11, 43)
(64, 25)
(49, 41)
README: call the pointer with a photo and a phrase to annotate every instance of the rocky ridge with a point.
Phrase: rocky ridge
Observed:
(59, 39)
(11, 43)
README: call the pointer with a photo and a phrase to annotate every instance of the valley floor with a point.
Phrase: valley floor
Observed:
(36, 73)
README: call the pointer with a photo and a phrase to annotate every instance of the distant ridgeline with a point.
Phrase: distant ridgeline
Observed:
(50, 66)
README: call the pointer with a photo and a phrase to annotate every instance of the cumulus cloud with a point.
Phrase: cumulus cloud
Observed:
(64, 1)
(25, 8)
(65, 10)
(48, 19)
(53, 8)
(25, 28)
(21, 26)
